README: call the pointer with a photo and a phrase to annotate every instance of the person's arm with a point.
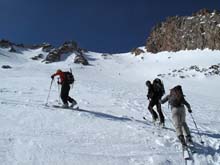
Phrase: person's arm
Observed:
(187, 105)
(150, 92)
(165, 99)
(55, 74)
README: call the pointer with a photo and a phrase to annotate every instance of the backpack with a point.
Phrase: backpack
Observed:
(176, 96)
(69, 78)
(158, 87)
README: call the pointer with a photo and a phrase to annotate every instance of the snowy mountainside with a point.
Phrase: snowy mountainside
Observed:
(22, 55)
(109, 127)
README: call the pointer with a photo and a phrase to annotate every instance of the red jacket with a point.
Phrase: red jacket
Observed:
(61, 74)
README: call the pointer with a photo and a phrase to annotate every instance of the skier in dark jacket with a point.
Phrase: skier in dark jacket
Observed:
(154, 100)
(65, 88)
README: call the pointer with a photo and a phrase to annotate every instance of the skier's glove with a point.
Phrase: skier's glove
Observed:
(52, 77)
(189, 110)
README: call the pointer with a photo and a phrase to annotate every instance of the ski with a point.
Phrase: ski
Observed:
(155, 123)
(187, 154)
(191, 148)
(58, 106)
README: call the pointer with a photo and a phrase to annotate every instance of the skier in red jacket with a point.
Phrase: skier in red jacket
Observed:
(65, 88)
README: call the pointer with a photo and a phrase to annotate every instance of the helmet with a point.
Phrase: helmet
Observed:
(59, 70)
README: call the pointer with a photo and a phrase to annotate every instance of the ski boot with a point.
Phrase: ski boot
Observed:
(162, 124)
(189, 139)
(73, 104)
(65, 105)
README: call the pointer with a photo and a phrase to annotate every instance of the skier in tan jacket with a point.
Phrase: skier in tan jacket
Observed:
(177, 101)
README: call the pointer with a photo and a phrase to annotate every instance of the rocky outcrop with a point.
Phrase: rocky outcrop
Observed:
(12, 49)
(80, 59)
(38, 57)
(55, 54)
(106, 56)
(6, 67)
(137, 51)
(199, 31)
(5, 43)
(47, 47)
(193, 71)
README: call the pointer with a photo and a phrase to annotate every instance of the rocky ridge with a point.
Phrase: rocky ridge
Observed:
(199, 31)
(53, 54)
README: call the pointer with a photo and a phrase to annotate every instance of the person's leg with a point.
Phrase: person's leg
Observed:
(176, 116)
(150, 108)
(159, 110)
(185, 128)
(64, 93)
(70, 99)
(177, 121)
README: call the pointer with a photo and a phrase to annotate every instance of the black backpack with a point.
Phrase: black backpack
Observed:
(69, 78)
(158, 87)
(176, 97)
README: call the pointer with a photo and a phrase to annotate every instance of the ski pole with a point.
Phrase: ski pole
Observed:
(201, 141)
(49, 92)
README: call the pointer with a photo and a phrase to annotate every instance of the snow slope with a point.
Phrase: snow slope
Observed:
(108, 129)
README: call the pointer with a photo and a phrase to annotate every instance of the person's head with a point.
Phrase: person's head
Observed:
(148, 83)
(157, 80)
(59, 70)
(178, 87)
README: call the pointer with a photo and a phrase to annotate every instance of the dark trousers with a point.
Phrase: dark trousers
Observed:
(156, 103)
(65, 88)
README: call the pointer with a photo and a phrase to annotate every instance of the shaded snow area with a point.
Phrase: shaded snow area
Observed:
(108, 128)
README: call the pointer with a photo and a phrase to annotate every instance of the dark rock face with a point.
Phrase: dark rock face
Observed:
(80, 59)
(38, 57)
(5, 43)
(47, 47)
(55, 54)
(106, 56)
(202, 30)
(12, 50)
(6, 67)
(136, 51)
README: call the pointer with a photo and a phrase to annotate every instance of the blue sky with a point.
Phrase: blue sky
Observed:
(97, 25)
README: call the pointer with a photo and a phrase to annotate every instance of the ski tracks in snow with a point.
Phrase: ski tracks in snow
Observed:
(107, 129)
(121, 137)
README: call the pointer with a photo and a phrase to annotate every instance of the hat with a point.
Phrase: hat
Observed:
(148, 82)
